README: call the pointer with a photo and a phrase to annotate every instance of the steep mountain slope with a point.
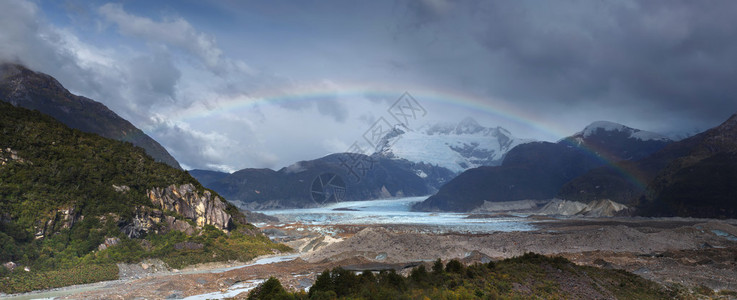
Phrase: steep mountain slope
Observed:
(72, 201)
(530, 171)
(456, 147)
(207, 177)
(539, 170)
(702, 183)
(372, 177)
(625, 181)
(25, 88)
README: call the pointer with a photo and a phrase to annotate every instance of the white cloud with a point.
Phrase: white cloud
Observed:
(175, 32)
(17, 20)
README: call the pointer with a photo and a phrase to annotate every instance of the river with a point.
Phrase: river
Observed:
(397, 212)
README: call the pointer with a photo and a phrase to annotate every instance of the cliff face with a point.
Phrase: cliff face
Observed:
(204, 209)
(147, 220)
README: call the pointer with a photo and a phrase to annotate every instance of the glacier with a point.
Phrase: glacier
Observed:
(456, 147)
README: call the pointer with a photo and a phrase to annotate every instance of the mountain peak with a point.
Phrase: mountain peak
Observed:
(454, 146)
(604, 125)
(730, 124)
(608, 126)
(22, 76)
(468, 126)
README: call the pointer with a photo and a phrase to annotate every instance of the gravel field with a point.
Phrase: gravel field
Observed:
(689, 252)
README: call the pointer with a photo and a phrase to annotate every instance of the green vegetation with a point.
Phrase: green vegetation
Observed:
(27, 281)
(270, 289)
(528, 276)
(58, 204)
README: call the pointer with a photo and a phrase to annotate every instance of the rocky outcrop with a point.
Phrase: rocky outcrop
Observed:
(204, 209)
(604, 208)
(597, 208)
(147, 220)
(63, 218)
(10, 265)
(509, 206)
(178, 225)
(144, 220)
(562, 207)
(121, 188)
(109, 242)
(8, 155)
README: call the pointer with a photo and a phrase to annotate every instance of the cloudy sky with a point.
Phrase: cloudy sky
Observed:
(226, 85)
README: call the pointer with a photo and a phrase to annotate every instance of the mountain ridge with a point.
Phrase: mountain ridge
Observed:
(370, 178)
(537, 171)
(26, 88)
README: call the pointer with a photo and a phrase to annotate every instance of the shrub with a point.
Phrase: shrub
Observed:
(271, 289)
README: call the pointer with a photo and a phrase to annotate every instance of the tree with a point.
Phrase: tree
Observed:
(271, 289)
(323, 283)
(454, 266)
(437, 267)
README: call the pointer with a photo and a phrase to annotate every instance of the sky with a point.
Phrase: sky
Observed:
(226, 85)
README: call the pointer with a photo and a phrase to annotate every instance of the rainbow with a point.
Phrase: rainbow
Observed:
(468, 101)
(492, 107)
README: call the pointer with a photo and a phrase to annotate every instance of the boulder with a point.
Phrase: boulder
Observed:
(109, 242)
(10, 265)
(178, 225)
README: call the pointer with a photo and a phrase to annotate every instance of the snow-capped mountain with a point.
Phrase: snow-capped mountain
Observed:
(538, 171)
(616, 142)
(456, 147)
(642, 135)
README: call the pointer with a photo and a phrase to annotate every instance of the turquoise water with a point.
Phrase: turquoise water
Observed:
(724, 234)
(397, 212)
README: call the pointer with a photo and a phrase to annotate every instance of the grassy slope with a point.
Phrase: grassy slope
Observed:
(63, 168)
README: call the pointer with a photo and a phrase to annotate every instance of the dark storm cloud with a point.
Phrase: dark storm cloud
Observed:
(671, 56)
(174, 70)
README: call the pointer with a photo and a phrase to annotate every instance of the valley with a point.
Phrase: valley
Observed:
(678, 253)
(378, 150)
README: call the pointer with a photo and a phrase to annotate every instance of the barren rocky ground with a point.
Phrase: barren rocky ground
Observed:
(688, 252)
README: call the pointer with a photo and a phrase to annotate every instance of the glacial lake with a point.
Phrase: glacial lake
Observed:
(397, 212)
